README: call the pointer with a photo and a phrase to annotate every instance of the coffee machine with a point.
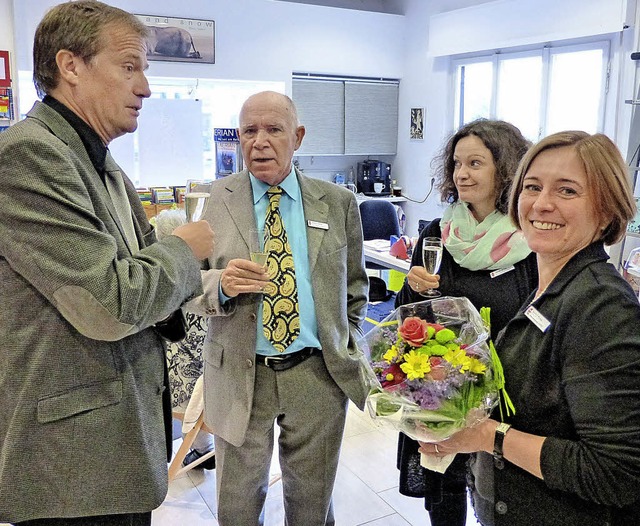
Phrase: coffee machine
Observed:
(374, 178)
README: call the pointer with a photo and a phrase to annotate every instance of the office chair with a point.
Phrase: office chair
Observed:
(379, 221)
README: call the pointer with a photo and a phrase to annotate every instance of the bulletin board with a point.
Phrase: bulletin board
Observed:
(170, 141)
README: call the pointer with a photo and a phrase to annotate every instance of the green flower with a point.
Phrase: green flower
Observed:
(445, 336)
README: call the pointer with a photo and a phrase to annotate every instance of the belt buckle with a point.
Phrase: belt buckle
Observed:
(270, 361)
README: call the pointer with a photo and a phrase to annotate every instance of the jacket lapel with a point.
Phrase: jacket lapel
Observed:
(114, 171)
(315, 211)
(239, 199)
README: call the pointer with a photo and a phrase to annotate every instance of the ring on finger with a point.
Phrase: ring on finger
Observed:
(417, 286)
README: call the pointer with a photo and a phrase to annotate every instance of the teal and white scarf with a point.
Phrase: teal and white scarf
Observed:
(493, 244)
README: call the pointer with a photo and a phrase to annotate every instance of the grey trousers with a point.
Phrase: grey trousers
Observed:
(310, 410)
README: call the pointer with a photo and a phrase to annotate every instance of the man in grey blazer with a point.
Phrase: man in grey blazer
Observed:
(250, 383)
(83, 386)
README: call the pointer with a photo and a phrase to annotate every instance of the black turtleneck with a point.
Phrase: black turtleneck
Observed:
(96, 149)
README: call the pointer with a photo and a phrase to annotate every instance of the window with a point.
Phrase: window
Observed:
(220, 100)
(541, 91)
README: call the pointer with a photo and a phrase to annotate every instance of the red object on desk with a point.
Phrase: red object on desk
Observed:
(399, 249)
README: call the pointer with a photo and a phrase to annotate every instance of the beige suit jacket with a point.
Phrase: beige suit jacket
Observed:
(339, 281)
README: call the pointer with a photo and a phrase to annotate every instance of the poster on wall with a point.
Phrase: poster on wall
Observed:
(416, 131)
(228, 152)
(5, 74)
(180, 39)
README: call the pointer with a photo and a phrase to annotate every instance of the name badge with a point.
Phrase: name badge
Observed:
(501, 271)
(317, 224)
(538, 319)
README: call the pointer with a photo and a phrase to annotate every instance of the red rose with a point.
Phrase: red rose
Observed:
(414, 331)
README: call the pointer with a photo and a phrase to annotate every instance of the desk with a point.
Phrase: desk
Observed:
(385, 259)
(390, 198)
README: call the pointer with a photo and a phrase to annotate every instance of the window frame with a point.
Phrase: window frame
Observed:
(546, 51)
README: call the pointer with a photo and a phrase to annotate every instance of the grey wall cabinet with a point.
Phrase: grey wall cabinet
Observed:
(347, 118)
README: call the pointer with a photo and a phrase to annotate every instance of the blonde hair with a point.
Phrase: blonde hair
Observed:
(607, 179)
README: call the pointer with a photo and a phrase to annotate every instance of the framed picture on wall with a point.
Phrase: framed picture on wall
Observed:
(416, 131)
(5, 74)
(180, 39)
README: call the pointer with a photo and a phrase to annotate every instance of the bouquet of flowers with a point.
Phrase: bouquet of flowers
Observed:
(434, 371)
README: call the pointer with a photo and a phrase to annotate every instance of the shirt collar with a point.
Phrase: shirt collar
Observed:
(289, 185)
(96, 149)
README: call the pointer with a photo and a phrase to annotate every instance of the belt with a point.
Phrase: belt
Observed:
(286, 361)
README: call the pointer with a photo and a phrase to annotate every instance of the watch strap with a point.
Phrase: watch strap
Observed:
(498, 440)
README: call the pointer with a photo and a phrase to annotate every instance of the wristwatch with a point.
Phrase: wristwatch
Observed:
(498, 440)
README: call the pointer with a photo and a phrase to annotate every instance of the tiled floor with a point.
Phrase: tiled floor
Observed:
(365, 491)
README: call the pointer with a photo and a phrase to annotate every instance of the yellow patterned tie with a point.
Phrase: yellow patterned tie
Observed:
(280, 309)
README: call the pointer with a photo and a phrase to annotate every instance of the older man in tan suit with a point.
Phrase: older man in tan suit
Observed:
(281, 343)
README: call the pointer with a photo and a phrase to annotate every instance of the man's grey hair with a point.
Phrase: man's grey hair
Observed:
(168, 220)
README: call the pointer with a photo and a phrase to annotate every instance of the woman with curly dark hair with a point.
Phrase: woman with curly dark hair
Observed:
(485, 259)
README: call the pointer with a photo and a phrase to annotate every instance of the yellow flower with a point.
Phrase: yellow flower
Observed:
(458, 359)
(477, 366)
(416, 365)
(391, 354)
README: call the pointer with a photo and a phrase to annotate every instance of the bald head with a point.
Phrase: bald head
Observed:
(273, 99)
(269, 135)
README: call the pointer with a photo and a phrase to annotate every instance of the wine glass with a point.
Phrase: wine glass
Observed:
(431, 259)
(196, 199)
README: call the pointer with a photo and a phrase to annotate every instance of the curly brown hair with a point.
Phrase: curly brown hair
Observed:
(507, 146)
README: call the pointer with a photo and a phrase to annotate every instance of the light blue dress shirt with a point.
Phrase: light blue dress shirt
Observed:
(292, 213)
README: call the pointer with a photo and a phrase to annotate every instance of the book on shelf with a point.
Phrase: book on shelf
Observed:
(162, 195)
(178, 193)
(227, 148)
(145, 196)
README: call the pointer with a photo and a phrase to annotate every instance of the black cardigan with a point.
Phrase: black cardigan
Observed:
(578, 384)
(504, 294)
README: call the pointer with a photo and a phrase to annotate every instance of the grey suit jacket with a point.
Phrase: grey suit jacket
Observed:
(339, 281)
(81, 366)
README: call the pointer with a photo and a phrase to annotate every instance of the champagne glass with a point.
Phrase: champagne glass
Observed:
(431, 259)
(196, 199)
(257, 250)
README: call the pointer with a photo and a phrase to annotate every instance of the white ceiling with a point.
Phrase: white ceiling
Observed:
(394, 7)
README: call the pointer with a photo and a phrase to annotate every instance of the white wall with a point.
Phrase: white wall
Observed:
(426, 83)
(262, 39)
(266, 40)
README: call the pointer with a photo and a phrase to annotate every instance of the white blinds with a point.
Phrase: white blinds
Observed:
(320, 106)
(371, 118)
